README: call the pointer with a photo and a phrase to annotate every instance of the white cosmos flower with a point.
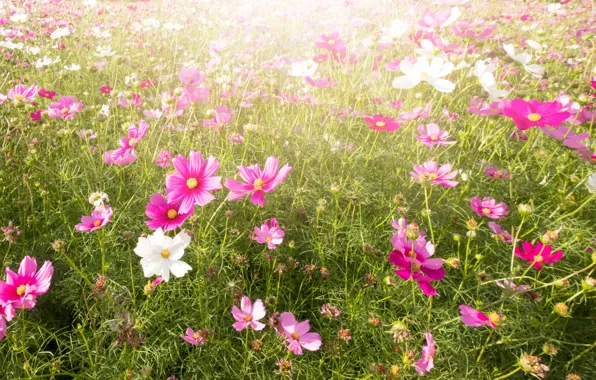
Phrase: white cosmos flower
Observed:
(591, 184)
(303, 69)
(429, 50)
(161, 254)
(534, 45)
(484, 71)
(32, 50)
(422, 71)
(72, 67)
(11, 45)
(46, 61)
(455, 14)
(59, 33)
(104, 51)
(397, 29)
(98, 33)
(524, 59)
(18, 17)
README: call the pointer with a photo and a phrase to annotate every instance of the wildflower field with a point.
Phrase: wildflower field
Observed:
(338, 189)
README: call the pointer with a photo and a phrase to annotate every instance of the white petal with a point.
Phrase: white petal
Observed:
(442, 85)
(179, 268)
(406, 82)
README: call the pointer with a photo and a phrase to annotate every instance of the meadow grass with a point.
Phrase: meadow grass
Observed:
(347, 184)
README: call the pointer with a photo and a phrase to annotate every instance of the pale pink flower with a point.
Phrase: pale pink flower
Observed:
(269, 234)
(194, 337)
(249, 314)
(489, 207)
(65, 108)
(433, 135)
(164, 159)
(22, 94)
(426, 362)
(429, 172)
(500, 234)
(97, 220)
(474, 318)
(298, 335)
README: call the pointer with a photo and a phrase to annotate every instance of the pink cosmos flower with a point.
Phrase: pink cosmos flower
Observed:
(249, 315)
(535, 114)
(191, 76)
(194, 181)
(489, 207)
(164, 159)
(222, 115)
(2, 328)
(194, 337)
(298, 335)
(331, 42)
(65, 108)
(539, 255)
(126, 153)
(195, 94)
(119, 156)
(381, 123)
(482, 108)
(258, 182)
(46, 93)
(413, 259)
(135, 134)
(570, 139)
(433, 20)
(97, 220)
(429, 172)
(22, 94)
(163, 214)
(426, 362)
(21, 289)
(473, 318)
(433, 135)
(497, 173)
(501, 234)
(269, 234)
(321, 82)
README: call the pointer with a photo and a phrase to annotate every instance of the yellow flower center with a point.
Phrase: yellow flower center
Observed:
(172, 213)
(165, 253)
(416, 267)
(380, 124)
(247, 318)
(268, 238)
(331, 42)
(295, 336)
(429, 177)
(486, 211)
(64, 111)
(259, 183)
(538, 259)
(21, 289)
(192, 183)
(434, 137)
(494, 318)
(97, 223)
(132, 142)
(196, 335)
(412, 254)
(534, 117)
(19, 98)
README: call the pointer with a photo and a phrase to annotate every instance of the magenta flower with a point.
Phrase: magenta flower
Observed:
(163, 214)
(269, 234)
(413, 259)
(194, 181)
(258, 182)
(164, 159)
(539, 255)
(298, 335)
(135, 134)
(331, 42)
(194, 337)
(98, 219)
(433, 135)
(497, 173)
(473, 318)
(21, 289)
(2, 328)
(500, 234)
(65, 108)
(119, 156)
(429, 172)
(426, 362)
(381, 123)
(48, 94)
(489, 207)
(535, 114)
(570, 139)
(22, 94)
(249, 315)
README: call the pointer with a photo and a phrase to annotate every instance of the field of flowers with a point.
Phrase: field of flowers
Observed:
(299, 189)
